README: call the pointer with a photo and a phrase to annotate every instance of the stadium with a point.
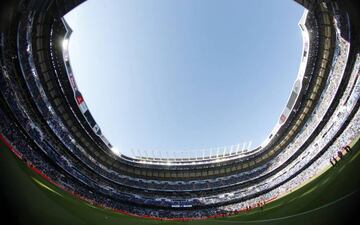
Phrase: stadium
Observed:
(57, 167)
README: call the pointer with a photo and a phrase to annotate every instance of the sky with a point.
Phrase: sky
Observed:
(177, 76)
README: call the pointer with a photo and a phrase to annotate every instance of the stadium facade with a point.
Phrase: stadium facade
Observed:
(45, 122)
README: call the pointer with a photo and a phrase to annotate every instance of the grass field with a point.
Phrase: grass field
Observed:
(332, 198)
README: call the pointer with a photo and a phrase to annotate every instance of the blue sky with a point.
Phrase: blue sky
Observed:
(174, 75)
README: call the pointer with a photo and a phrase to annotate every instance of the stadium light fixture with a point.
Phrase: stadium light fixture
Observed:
(115, 150)
(65, 44)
